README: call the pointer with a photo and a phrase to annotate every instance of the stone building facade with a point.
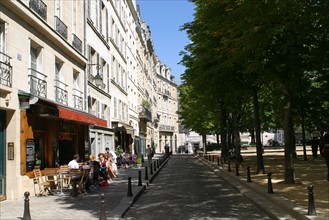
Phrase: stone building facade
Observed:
(77, 76)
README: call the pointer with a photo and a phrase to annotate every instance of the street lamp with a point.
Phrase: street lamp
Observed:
(98, 79)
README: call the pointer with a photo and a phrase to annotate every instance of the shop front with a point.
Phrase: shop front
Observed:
(52, 134)
(124, 137)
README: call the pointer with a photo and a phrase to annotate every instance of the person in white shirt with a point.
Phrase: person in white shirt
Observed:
(73, 164)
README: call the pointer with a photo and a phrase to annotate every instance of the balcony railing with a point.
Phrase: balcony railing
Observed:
(6, 70)
(60, 92)
(77, 99)
(167, 128)
(39, 7)
(38, 83)
(77, 43)
(60, 27)
(144, 113)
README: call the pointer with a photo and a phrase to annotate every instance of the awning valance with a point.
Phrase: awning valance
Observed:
(72, 115)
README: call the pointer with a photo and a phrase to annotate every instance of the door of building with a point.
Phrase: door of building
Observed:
(2, 155)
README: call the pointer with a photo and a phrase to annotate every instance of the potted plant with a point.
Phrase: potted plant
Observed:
(139, 161)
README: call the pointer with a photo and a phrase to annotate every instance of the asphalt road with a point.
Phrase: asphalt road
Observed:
(186, 189)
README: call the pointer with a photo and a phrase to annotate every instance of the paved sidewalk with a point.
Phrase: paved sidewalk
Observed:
(289, 199)
(84, 206)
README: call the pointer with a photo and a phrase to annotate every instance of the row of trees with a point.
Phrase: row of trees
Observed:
(254, 65)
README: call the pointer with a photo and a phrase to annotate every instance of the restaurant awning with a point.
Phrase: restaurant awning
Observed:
(73, 115)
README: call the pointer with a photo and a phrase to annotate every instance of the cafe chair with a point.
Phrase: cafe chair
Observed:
(44, 186)
(64, 173)
(75, 179)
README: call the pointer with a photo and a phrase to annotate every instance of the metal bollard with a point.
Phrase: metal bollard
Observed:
(102, 214)
(139, 178)
(157, 163)
(129, 193)
(237, 169)
(209, 157)
(311, 206)
(213, 158)
(218, 161)
(229, 166)
(248, 175)
(154, 165)
(146, 174)
(26, 214)
(151, 169)
(270, 187)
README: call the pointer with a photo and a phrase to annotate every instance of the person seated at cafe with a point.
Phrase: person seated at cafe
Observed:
(109, 162)
(94, 167)
(73, 164)
(103, 167)
(121, 161)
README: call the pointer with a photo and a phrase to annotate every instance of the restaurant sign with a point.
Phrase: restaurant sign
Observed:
(30, 154)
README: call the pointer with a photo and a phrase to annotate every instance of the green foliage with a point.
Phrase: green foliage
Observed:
(279, 48)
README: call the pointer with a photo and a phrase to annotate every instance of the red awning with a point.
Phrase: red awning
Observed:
(80, 116)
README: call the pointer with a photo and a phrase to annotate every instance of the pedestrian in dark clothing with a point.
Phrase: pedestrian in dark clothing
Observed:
(315, 146)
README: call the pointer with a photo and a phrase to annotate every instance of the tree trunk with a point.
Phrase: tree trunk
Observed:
(237, 140)
(259, 147)
(252, 136)
(288, 139)
(303, 135)
(217, 140)
(204, 142)
(223, 133)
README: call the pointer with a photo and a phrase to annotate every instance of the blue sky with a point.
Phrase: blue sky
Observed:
(165, 17)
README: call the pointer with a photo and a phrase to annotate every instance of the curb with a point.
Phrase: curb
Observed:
(126, 202)
(274, 205)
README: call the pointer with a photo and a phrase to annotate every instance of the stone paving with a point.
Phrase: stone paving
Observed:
(84, 206)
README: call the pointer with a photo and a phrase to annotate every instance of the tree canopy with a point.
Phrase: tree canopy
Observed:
(275, 50)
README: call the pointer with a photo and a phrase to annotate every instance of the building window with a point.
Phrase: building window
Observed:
(58, 10)
(74, 16)
(37, 80)
(115, 108)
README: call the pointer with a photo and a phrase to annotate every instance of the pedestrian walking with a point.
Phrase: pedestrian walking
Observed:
(315, 146)
(149, 154)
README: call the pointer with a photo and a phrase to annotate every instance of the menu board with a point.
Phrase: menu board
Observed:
(30, 154)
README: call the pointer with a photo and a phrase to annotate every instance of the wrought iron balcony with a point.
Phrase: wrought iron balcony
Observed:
(144, 113)
(38, 83)
(166, 128)
(39, 7)
(6, 70)
(77, 99)
(77, 43)
(60, 27)
(60, 92)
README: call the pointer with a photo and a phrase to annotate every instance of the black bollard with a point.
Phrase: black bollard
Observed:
(139, 178)
(217, 161)
(270, 187)
(157, 163)
(248, 175)
(146, 174)
(311, 206)
(154, 165)
(151, 169)
(129, 193)
(209, 157)
(237, 169)
(26, 214)
(103, 214)
(229, 166)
